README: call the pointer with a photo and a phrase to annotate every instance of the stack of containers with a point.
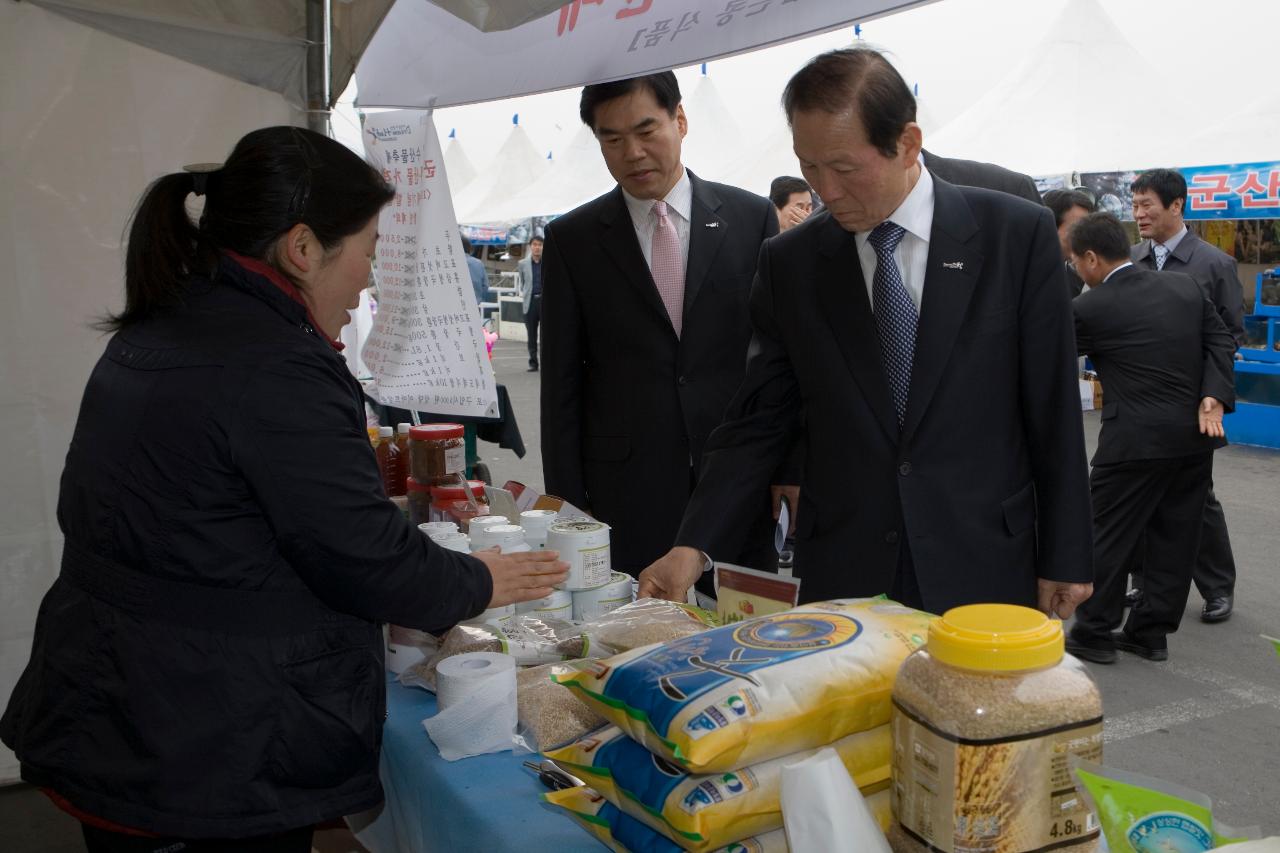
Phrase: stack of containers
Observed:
(704, 725)
(583, 543)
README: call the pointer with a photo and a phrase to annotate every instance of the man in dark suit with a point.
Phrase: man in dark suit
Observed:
(1159, 199)
(1165, 361)
(924, 331)
(971, 173)
(645, 325)
(1069, 207)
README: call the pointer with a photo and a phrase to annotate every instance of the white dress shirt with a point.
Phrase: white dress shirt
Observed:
(679, 210)
(1172, 242)
(1116, 270)
(915, 215)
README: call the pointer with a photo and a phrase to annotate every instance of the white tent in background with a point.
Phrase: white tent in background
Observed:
(1249, 135)
(577, 175)
(516, 165)
(713, 131)
(1043, 117)
(457, 165)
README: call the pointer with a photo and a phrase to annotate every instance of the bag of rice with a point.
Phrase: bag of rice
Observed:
(706, 812)
(645, 622)
(748, 692)
(528, 638)
(624, 834)
(550, 714)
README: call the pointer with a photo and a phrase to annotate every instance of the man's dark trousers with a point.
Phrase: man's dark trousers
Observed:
(531, 318)
(1165, 499)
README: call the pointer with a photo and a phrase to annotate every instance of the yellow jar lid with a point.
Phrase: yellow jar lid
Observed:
(996, 637)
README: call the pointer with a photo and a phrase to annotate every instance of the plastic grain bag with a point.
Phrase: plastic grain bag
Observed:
(528, 638)
(709, 811)
(745, 693)
(645, 622)
(622, 833)
(1141, 814)
(550, 714)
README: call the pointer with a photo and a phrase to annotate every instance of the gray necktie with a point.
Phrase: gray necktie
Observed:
(1162, 254)
(895, 315)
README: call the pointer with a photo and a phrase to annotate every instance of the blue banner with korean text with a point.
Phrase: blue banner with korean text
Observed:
(1241, 191)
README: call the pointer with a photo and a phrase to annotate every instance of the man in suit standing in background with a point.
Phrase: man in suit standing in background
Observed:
(646, 328)
(1069, 207)
(1159, 202)
(924, 331)
(1165, 361)
(529, 280)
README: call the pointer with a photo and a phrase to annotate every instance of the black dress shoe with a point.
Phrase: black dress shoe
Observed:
(1217, 609)
(1127, 644)
(533, 369)
(1133, 596)
(1095, 654)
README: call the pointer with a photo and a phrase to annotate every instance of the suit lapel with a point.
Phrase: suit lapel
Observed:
(951, 272)
(706, 233)
(842, 291)
(1185, 249)
(618, 238)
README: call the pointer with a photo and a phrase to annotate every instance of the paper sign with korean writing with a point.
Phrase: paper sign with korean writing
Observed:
(422, 57)
(427, 350)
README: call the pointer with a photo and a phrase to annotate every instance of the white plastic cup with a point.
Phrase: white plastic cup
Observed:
(535, 523)
(457, 542)
(496, 615)
(584, 545)
(557, 605)
(484, 521)
(591, 604)
(438, 529)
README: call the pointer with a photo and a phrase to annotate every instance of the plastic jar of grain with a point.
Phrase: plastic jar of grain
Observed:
(984, 717)
(437, 453)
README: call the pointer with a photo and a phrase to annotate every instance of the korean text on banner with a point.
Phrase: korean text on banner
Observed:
(426, 351)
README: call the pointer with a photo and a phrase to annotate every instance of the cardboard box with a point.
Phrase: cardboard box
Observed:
(1090, 394)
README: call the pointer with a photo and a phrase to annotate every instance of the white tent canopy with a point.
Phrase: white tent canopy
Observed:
(712, 129)
(1044, 116)
(577, 175)
(458, 166)
(517, 165)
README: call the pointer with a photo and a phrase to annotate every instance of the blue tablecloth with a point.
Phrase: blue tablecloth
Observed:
(484, 803)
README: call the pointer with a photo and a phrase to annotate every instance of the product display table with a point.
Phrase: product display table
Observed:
(488, 802)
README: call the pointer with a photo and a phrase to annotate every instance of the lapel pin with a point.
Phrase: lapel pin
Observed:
(953, 265)
(713, 225)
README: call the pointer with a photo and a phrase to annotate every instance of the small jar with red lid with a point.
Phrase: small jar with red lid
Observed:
(448, 503)
(437, 453)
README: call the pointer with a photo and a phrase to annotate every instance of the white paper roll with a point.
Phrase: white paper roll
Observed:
(476, 693)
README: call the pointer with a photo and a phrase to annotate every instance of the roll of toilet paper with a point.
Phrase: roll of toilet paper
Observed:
(476, 694)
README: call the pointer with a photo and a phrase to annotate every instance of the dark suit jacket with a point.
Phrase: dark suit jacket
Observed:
(626, 405)
(987, 480)
(1160, 348)
(971, 173)
(1075, 284)
(1213, 269)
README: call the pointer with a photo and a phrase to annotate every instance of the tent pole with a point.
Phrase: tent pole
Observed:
(318, 65)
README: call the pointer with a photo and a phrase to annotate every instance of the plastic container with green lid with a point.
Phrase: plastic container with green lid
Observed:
(984, 717)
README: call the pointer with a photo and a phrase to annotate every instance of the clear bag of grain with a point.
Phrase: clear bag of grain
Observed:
(645, 622)
(550, 715)
(984, 719)
(528, 638)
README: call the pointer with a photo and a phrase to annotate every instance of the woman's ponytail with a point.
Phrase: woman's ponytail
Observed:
(161, 251)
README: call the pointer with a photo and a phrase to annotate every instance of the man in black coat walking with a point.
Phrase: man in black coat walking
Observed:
(1165, 361)
(1159, 201)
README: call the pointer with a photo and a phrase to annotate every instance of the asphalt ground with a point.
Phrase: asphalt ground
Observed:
(1209, 717)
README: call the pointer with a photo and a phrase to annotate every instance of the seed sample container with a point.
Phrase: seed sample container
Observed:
(984, 718)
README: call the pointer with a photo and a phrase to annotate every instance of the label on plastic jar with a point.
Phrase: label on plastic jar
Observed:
(1000, 795)
(455, 459)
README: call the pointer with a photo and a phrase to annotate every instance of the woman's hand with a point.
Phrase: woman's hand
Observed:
(524, 576)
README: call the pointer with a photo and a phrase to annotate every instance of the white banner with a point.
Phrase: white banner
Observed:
(427, 350)
(422, 56)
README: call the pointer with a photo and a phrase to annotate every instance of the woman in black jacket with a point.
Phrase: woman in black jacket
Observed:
(207, 669)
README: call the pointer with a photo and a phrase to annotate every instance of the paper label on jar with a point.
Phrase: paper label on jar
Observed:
(455, 459)
(596, 567)
(999, 795)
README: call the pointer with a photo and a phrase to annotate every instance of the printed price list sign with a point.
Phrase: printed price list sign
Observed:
(427, 350)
